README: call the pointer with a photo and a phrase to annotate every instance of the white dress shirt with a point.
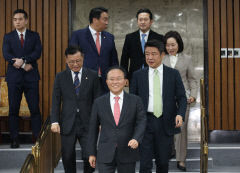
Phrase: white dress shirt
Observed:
(94, 34)
(146, 37)
(150, 77)
(19, 34)
(79, 75)
(112, 101)
(173, 60)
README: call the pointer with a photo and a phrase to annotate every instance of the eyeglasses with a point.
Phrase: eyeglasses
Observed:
(115, 79)
(73, 62)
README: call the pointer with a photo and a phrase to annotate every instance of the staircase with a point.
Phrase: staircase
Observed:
(223, 158)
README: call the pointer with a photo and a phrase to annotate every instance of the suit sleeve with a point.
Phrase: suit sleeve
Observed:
(6, 49)
(93, 131)
(114, 56)
(140, 121)
(192, 80)
(74, 39)
(180, 95)
(36, 53)
(133, 87)
(56, 101)
(97, 89)
(125, 56)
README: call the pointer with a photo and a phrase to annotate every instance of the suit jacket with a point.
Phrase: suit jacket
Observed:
(65, 102)
(186, 69)
(173, 95)
(30, 52)
(131, 126)
(108, 54)
(132, 50)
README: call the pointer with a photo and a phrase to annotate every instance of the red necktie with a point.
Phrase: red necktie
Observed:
(98, 43)
(22, 40)
(98, 49)
(116, 110)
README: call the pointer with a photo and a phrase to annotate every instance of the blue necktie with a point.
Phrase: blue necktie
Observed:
(143, 41)
(76, 83)
(143, 45)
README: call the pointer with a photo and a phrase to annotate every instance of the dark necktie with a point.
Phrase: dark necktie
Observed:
(76, 83)
(22, 40)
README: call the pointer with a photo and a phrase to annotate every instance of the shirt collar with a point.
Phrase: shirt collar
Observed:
(174, 56)
(93, 31)
(147, 33)
(19, 33)
(113, 95)
(80, 72)
(159, 68)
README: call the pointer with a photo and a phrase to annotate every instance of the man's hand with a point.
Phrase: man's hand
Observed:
(92, 161)
(55, 128)
(133, 143)
(179, 121)
(191, 99)
(28, 67)
(18, 62)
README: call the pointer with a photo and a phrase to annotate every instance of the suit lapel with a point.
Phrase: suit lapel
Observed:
(107, 106)
(103, 42)
(16, 37)
(27, 37)
(90, 39)
(69, 81)
(124, 107)
(165, 83)
(138, 41)
(84, 80)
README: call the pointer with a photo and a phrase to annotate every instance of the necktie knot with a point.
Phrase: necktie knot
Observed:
(156, 72)
(117, 98)
(144, 35)
(76, 73)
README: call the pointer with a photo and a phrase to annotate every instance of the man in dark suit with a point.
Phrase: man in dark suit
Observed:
(133, 48)
(22, 48)
(122, 119)
(98, 45)
(73, 94)
(164, 99)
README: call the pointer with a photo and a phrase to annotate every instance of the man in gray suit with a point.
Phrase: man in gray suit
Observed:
(122, 119)
(73, 94)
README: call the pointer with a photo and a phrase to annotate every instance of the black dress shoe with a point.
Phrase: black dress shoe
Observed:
(182, 168)
(14, 144)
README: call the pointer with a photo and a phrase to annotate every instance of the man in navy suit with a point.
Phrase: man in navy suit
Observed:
(133, 57)
(98, 45)
(22, 48)
(164, 99)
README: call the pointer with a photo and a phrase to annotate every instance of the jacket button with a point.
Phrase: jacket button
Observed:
(78, 110)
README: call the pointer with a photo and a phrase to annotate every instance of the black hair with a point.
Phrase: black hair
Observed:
(116, 67)
(96, 13)
(21, 11)
(177, 37)
(144, 10)
(72, 49)
(155, 43)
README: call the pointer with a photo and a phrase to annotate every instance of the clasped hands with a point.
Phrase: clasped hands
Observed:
(19, 62)
(133, 143)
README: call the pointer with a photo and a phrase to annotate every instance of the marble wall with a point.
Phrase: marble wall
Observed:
(185, 16)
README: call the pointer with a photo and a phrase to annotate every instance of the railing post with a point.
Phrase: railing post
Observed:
(204, 132)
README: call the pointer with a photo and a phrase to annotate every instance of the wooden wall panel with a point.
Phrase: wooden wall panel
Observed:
(211, 99)
(224, 73)
(2, 31)
(237, 62)
(224, 61)
(217, 76)
(50, 20)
